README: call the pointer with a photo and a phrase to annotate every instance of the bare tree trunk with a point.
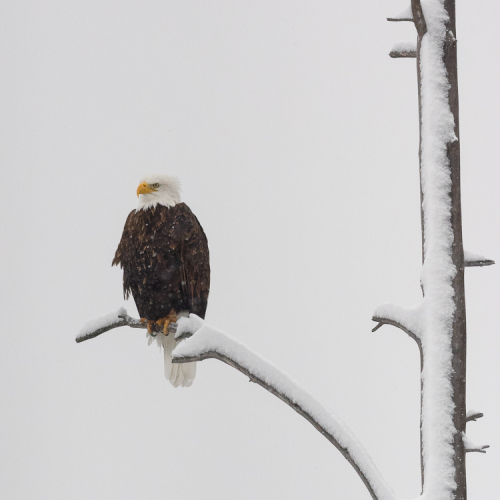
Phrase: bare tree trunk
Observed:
(449, 57)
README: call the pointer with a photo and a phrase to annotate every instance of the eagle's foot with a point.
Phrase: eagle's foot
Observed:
(165, 322)
(150, 324)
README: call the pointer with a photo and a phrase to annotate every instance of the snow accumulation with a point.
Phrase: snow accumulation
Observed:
(438, 270)
(405, 14)
(470, 413)
(471, 446)
(190, 324)
(404, 47)
(473, 257)
(410, 318)
(207, 339)
(100, 323)
(432, 320)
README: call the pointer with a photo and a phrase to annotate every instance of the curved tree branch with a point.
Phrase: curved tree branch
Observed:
(386, 321)
(208, 342)
(113, 320)
(470, 446)
(406, 319)
(473, 415)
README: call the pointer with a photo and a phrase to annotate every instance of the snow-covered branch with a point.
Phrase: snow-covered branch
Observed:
(473, 415)
(406, 319)
(473, 447)
(412, 13)
(115, 319)
(205, 342)
(476, 260)
(405, 15)
(404, 49)
(208, 342)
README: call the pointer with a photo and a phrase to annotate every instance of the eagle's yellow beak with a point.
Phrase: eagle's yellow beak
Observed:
(144, 188)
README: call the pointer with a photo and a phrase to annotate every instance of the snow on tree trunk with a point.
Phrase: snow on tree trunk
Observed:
(438, 323)
(444, 333)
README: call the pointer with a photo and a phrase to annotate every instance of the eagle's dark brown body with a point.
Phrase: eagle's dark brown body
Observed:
(164, 256)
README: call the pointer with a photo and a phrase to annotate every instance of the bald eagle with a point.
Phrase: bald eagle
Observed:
(164, 256)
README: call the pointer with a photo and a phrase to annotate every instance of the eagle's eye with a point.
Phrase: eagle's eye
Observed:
(155, 185)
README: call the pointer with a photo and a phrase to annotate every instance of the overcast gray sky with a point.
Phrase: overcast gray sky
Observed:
(295, 137)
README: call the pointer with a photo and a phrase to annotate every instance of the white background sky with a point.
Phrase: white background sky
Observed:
(295, 137)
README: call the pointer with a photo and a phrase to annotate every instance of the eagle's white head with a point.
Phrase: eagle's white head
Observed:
(158, 189)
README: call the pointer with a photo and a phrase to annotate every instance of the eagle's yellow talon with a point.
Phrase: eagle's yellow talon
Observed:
(165, 322)
(149, 324)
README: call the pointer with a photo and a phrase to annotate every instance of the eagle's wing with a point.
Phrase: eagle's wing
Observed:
(194, 259)
(125, 252)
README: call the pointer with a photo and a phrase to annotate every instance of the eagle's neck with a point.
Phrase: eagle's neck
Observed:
(150, 200)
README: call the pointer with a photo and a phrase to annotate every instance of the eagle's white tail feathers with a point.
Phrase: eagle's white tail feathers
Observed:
(179, 374)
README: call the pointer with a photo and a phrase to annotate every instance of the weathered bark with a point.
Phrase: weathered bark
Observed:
(418, 18)
(402, 53)
(479, 263)
(295, 406)
(125, 320)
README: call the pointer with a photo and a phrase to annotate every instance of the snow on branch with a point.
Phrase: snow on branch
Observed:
(96, 327)
(405, 15)
(208, 342)
(406, 319)
(471, 447)
(473, 415)
(403, 49)
(476, 260)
